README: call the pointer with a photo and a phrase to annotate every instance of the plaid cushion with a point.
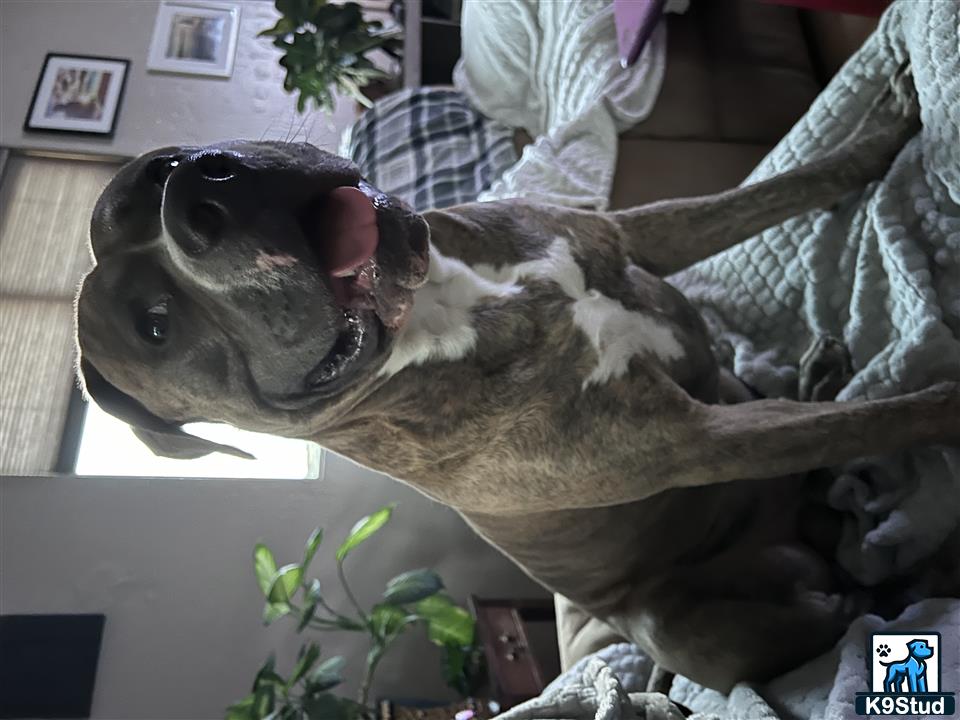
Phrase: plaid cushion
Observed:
(430, 147)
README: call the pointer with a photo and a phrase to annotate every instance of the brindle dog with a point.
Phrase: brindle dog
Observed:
(524, 364)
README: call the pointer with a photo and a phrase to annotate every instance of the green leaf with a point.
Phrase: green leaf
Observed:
(264, 566)
(274, 611)
(308, 658)
(266, 675)
(388, 621)
(326, 675)
(264, 699)
(265, 686)
(354, 91)
(285, 583)
(412, 586)
(325, 707)
(241, 710)
(284, 26)
(453, 667)
(309, 610)
(447, 623)
(364, 528)
(316, 537)
(290, 712)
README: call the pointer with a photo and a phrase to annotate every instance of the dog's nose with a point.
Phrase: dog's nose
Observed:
(217, 165)
(206, 195)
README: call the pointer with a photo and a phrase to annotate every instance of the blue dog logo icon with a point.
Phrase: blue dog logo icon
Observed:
(909, 674)
(904, 670)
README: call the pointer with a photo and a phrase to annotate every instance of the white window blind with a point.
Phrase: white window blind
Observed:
(45, 207)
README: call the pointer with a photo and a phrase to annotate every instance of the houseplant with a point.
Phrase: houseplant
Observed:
(326, 47)
(409, 599)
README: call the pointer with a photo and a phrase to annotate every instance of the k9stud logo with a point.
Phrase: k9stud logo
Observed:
(905, 676)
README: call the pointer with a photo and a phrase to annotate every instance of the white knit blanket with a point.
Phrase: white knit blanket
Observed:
(551, 68)
(882, 272)
(609, 685)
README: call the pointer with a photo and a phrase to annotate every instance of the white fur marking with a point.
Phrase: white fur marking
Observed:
(267, 272)
(440, 325)
(267, 262)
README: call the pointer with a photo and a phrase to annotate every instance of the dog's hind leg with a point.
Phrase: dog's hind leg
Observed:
(773, 438)
(729, 620)
(665, 237)
(824, 370)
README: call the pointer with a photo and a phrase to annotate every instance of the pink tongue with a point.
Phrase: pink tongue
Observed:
(351, 238)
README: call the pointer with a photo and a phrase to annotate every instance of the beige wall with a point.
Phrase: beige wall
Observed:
(157, 109)
(169, 563)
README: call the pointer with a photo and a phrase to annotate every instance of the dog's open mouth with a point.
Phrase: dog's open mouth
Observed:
(353, 343)
(370, 254)
(348, 248)
(372, 249)
(342, 230)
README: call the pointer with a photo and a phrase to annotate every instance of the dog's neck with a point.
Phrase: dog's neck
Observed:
(455, 364)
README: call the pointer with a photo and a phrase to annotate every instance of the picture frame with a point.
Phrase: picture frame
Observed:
(78, 94)
(195, 37)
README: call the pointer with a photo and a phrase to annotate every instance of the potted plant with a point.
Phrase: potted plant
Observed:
(325, 48)
(411, 598)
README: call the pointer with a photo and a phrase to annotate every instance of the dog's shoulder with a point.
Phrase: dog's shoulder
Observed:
(511, 232)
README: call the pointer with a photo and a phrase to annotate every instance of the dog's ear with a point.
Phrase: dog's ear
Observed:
(162, 437)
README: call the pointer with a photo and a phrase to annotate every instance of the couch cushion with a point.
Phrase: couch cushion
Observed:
(736, 71)
(649, 170)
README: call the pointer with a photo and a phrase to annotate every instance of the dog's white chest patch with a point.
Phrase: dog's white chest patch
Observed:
(616, 333)
(440, 326)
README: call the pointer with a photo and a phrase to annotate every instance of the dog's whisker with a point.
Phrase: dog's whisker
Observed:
(300, 128)
(289, 134)
(268, 128)
(309, 130)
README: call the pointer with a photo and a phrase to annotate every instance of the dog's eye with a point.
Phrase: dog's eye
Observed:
(154, 325)
(159, 169)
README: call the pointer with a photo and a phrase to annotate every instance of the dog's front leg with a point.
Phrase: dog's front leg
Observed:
(771, 438)
(668, 236)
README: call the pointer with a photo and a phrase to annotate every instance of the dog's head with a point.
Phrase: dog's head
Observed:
(920, 649)
(254, 283)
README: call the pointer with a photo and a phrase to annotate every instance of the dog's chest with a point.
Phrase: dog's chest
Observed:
(443, 324)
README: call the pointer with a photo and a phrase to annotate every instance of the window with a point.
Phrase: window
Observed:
(45, 207)
(108, 446)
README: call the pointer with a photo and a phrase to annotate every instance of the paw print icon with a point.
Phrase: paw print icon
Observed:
(883, 650)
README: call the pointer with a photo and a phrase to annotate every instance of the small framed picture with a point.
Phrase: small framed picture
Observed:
(78, 94)
(195, 37)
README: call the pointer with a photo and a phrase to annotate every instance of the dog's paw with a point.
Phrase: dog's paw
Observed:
(825, 369)
(904, 91)
(883, 650)
(898, 102)
(891, 120)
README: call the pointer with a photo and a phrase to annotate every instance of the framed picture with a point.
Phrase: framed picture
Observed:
(78, 94)
(195, 37)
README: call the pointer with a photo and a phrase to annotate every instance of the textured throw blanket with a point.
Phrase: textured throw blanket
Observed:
(882, 272)
(609, 685)
(551, 68)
